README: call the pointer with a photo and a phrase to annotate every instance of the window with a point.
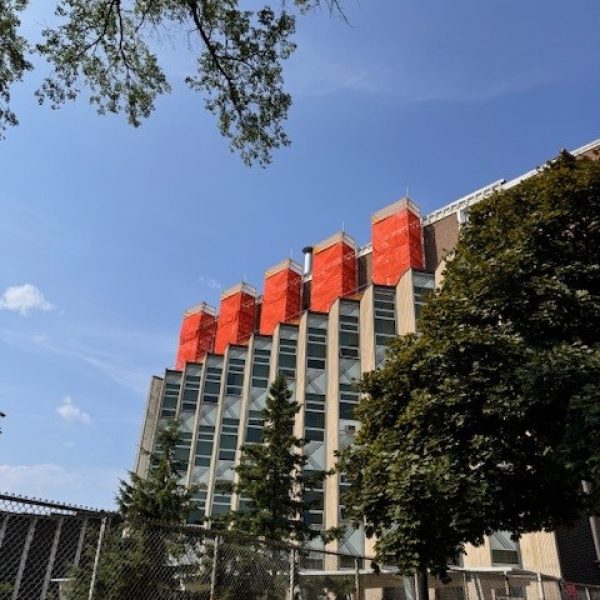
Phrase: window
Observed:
(221, 499)
(212, 385)
(254, 431)
(316, 350)
(196, 516)
(505, 551)
(170, 398)
(349, 337)
(423, 287)
(204, 446)
(315, 496)
(385, 315)
(260, 368)
(235, 376)
(228, 439)
(349, 398)
(314, 426)
(287, 357)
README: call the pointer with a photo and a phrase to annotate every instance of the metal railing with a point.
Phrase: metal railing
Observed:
(55, 551)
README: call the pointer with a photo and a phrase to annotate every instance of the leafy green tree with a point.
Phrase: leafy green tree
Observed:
(142, 549)
(273, 483)
(110, 47)
(489, 418)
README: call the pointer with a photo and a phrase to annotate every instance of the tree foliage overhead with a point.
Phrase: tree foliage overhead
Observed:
(109, 48)
(489, 419)
(273, 483)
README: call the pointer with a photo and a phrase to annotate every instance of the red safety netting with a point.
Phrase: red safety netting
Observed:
(397, 242)
(236, 322)
(281, 296)
(197, 335)
(334, 272)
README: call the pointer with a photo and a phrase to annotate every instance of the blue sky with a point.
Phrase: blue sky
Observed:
(117, 231)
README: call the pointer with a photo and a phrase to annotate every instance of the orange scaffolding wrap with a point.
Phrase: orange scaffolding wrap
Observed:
(397, 242)
(237, 317)
(281, 296)
(333, 272)
(197, 335)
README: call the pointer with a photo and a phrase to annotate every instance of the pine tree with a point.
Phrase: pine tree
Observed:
(273, 483)
(140, 551)
(159, 496)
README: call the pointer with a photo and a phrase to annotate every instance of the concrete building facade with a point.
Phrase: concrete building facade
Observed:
(323, 325)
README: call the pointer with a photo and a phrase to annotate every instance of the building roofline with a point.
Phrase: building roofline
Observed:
(500, 184)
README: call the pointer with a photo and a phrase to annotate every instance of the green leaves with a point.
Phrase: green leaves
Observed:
(489, 420)
(13, 61)
(111, 49)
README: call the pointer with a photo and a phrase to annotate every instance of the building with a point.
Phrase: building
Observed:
(323, 324)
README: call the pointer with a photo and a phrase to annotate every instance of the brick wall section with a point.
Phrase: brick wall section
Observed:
(577, 553)
(439, 239)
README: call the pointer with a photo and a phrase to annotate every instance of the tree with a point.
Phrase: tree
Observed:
(142, 546)
(273, 484)
(159, 497)
(489, 418)
(111, 48)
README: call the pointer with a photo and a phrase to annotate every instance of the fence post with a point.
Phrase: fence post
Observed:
(507, 585)
(51, 559)
(541, 590)
(97, 558)
(80, 541)
(24, 555)
(292, 573)
(357, 587)
(213, 575)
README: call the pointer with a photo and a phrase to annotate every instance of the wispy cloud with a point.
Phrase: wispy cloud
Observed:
(86, 485)
(24, 299)
(125, 357)
(70, 413)
(210, 283)
(313, 73)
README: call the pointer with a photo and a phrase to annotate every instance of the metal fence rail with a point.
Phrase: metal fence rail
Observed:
(54, 551)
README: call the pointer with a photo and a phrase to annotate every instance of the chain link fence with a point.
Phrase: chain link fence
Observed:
(53, 551)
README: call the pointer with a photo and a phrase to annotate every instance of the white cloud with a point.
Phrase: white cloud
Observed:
(71, 413)
(24, 299)
(86, 485)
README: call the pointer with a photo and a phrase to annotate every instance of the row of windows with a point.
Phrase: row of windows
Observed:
(316, 350)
